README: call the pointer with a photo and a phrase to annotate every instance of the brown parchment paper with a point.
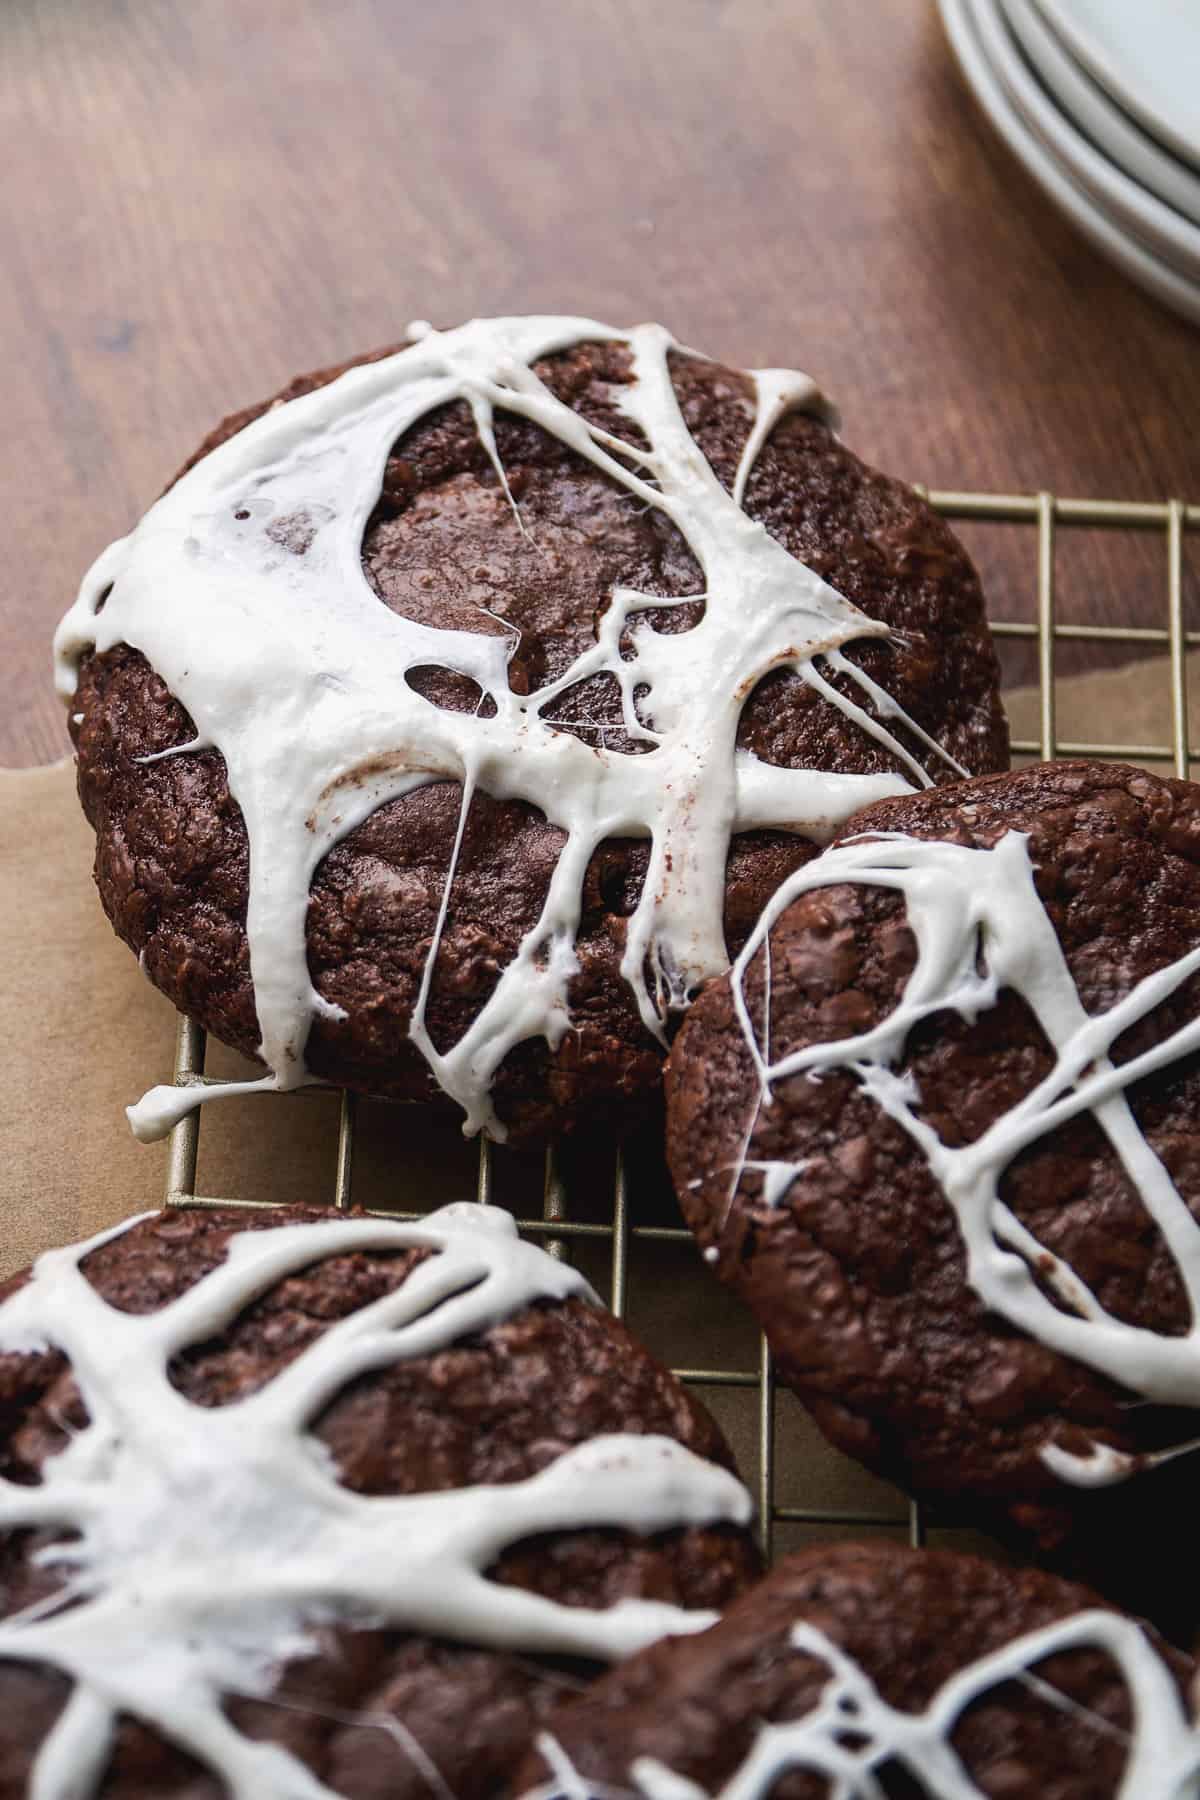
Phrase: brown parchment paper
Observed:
(81, 1031)
(82, 1034)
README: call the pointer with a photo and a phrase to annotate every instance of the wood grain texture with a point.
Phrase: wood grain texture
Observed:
(201, 200)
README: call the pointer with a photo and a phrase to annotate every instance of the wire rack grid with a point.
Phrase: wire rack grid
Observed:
(550, 1220)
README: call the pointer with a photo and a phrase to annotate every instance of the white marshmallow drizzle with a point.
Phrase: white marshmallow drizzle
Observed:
(294, 669)
(852, 1734)
(211, 1541)
(979, 928)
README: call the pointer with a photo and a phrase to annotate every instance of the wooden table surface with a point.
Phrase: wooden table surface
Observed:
(200, 200)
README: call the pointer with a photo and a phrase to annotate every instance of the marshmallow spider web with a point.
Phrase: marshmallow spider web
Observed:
(202, 1546)
(979, 928)
(293, 669)
(852, 1734)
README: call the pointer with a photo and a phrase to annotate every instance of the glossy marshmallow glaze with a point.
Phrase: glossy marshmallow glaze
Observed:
(291, 666)
(212, 1540)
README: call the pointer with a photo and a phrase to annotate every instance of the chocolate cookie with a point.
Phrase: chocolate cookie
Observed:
(296, 1504)
(941, 1128)
(447, 717)
(936, 1673)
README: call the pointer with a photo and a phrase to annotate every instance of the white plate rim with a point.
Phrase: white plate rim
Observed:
(1164, 232)
(1173, 290)
(1088, 106)
(1101, 65)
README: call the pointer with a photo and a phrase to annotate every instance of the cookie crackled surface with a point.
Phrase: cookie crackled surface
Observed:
(870, 1670)
(448, 722)
(295, 1507)
(941, 1126)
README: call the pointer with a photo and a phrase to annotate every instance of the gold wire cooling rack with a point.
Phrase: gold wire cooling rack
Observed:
(618, 1244)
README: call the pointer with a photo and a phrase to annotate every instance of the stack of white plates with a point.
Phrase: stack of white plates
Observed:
(1100, 99)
